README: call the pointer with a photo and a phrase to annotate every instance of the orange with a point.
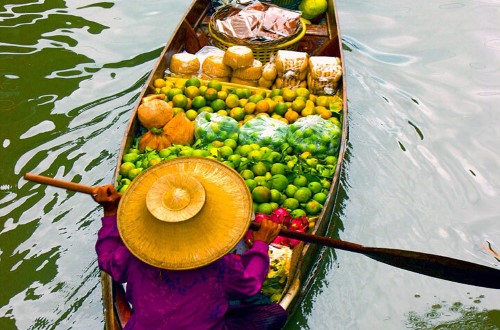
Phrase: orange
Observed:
(302, 92)
(272, 104)
(159, 83)
(243, 102)
(210, 94)
(191, 114)
(288, 94)
(191, 92)
(325, 114)
(222, 95)
(322, 100)
(307, 112)
(249, 108)
(298, 104)
(237, 113)
(232, 101)
(180, 101)
(165, 90)
(255, 98)
(277, 98)
(172, 92)
(262, 106)
(291, 116)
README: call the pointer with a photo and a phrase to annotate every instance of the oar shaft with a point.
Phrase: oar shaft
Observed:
(59, 183)
(428, 264)
(326, 241)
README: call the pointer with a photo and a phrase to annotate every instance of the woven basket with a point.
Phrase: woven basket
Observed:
(262, 49)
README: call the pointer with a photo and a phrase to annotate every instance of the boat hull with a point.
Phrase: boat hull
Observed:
(325, 40)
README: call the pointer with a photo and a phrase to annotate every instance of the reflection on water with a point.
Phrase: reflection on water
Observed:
(422, 166)
(455, 316)
(70, 74)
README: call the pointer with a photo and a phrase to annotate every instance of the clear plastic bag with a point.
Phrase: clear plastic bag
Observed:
(264, 131)
(209, 127)
(316, 135)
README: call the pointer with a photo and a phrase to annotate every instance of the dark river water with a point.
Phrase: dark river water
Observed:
(422, 170)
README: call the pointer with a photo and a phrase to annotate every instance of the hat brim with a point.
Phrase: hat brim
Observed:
(210, 234)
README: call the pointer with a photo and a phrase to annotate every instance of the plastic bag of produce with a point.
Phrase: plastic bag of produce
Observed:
(209, 127)
(279, 270)
(314, 134)
(263, 130)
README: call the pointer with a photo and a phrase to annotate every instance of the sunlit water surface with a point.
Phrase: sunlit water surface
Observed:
(422, 170)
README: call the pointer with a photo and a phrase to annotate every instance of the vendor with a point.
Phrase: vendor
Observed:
(169, 238)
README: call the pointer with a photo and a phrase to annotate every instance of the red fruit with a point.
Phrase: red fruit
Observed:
(281, 216)
(280, 240)
(299, 223)
(261, 216)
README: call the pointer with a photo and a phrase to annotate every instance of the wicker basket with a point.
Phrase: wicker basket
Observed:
(262, 49)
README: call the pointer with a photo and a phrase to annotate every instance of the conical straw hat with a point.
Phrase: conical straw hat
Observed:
(184, 213)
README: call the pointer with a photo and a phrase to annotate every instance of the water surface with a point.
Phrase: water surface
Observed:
(422, 170)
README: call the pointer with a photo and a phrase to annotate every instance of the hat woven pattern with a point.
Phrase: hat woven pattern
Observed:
(209, 234)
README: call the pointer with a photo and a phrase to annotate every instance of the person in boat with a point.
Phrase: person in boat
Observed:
(171, 238)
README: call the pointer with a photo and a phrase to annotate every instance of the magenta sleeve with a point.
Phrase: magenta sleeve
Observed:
(112, 255)
(247, 272)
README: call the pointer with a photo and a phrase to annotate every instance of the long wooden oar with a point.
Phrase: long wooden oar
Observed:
(424, 263)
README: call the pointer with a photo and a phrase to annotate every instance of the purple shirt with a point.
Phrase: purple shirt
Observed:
(188, 299)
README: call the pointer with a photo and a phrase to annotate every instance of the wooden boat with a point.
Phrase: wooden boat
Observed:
(191, 34)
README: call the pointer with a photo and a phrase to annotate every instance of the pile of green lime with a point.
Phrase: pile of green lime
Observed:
(209, 127)
(315, 135)
(263, 130)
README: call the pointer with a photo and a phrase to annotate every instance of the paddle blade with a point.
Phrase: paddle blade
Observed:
(438, 266)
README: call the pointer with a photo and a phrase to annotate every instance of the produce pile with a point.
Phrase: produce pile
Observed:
(284, 143)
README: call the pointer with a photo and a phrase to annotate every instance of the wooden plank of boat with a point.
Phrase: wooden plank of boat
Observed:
(322, 39)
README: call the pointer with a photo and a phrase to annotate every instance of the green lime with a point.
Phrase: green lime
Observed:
(320, 197)
(279, 182)
(265, 208)
(303, 194)
(215, 84)
(278, 168)
(218, 104)
(198, 102)
(251, 184)
(261, 194)
(315, 187)
(126, 167)
(291, 204)
(193, 82)
(260, 168)
(300, 181)
(291, 190)
(247, 174)
(313, 207)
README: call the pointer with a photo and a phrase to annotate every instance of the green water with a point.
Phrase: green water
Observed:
(422, 168)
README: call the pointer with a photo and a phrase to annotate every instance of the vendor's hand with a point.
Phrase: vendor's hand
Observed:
(108, 197)
(267, 232)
